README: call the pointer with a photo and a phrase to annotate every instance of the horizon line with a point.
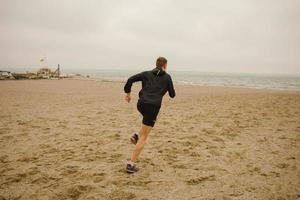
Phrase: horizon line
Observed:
(25, 69)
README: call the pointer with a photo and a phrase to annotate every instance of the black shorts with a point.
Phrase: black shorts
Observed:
(149, 112)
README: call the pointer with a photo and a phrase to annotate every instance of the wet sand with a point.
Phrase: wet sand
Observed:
(69, 139)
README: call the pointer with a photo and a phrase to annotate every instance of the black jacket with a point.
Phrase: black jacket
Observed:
(155, 84)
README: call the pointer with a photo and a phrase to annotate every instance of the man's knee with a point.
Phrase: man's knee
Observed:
(149, 121)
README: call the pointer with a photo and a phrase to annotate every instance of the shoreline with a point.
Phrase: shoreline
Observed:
(175, 83)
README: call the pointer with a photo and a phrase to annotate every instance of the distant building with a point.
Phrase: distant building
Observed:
(44, 73)
(5, 75)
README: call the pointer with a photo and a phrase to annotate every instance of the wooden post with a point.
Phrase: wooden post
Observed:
(58, 70)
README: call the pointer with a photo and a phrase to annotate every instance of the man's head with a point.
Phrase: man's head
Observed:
(161, 63)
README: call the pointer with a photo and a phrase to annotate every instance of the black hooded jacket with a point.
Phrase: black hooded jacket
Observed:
(155, 84)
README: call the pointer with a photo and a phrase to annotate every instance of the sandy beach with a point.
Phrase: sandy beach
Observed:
(69, 139)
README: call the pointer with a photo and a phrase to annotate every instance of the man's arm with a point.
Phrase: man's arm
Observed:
(128, 85)
(131, 80)
(171, 89)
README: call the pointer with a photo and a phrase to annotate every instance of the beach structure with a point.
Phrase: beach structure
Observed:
(27, 75)
(56, 73)
(5, 75)
(47, 73)
(44, 73)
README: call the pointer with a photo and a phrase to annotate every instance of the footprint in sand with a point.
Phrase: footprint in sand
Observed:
(33, 171)
(28, 159)
(180, 166)
(121, 195)
(255, 170)
(4, 159)
(69, 170)
(195, 154)
(116, 136)
(98, 177)
(21, 122)
(282, 165)
(262, 140)
(236, 193)
(43, 179)
(214, 152)
(218, 139)
(74, 192)
(114, 157)
(201, 179)
(16, 178)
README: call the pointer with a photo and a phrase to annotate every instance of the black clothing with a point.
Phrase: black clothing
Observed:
(155, 84)
(149, 112)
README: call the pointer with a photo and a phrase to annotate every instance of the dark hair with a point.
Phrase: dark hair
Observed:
(160, 62)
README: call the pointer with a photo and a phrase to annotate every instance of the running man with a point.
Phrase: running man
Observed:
(155, 84)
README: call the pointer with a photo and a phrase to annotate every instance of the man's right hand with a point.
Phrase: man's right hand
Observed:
(128, 97)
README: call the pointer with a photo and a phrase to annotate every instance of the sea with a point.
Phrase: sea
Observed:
(258, 81)
(244, 80)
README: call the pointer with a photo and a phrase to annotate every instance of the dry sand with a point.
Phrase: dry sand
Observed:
(69, 139)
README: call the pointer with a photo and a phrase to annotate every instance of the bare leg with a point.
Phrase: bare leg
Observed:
(144, 132)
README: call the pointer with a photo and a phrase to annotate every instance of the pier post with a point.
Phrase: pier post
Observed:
(58, 70)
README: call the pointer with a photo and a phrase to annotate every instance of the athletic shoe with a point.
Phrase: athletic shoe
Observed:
(131, 168)
(134, 138)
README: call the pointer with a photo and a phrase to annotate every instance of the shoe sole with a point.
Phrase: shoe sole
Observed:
(133, 141)
(129, 171)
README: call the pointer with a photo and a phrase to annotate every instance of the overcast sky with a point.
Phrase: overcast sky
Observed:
(256, 36)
